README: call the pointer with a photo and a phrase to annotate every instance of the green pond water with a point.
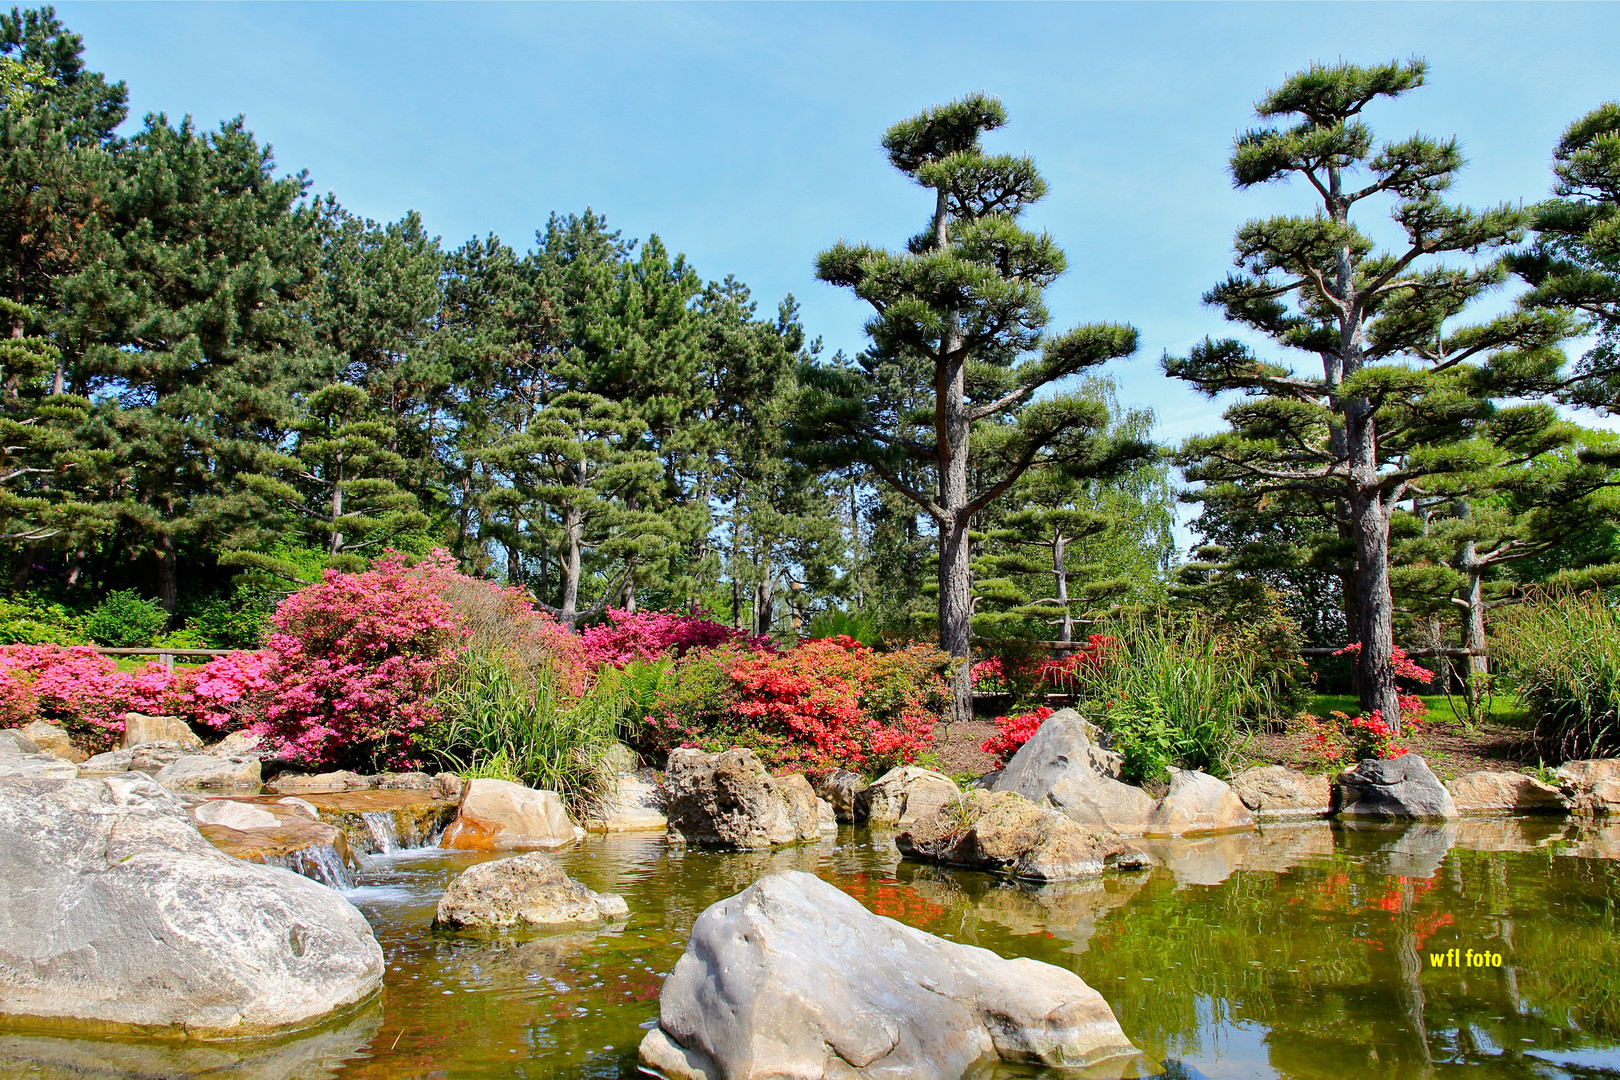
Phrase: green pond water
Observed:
(1298, 951)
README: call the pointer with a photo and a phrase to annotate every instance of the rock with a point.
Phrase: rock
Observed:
(1198, 803)
(278, 834)
(299, 806)
(446, 786)
(51, 739)
(632, 802)
(904, 794)
(1007, 833)
(1592, 786)
(317, 783)
(1062, 768)
(498, 815)
(140, 728)
(405, 781)
(115, 911)
(231, 814)
(205, 772)
(380, 822)
(150, 758)
(1401, 788)
(22, 759)
(842, 789)
(826, 816)
(620, 760)
(792, 979)
(238, 744)
(1505, 793)
(529, 890)
(1278, 793)
(730, 800)
(111, 763)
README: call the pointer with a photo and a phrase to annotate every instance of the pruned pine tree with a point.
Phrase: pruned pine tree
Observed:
(37, 427)
(1402, 393)
(962, 308)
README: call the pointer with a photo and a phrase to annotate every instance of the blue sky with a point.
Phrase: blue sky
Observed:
(747, 135)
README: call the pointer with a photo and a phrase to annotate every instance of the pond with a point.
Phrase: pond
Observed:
(1298, 951)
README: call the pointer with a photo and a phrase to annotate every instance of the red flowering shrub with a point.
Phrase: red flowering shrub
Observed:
(1412, 707)
(356, 658)
(1069, 673)
(1012, 732)
(987, 677)
(81, 690)
(1348, 738)
(646, 635)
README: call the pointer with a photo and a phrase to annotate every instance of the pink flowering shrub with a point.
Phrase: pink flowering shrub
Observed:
(229, 692)
(81, 690)
(646, 635)
(356, 657)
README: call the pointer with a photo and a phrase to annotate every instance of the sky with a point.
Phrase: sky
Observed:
(747, 136)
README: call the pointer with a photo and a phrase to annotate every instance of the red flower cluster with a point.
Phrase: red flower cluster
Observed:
(1089, 658)
(646, 635)
(1012, 732)
(1331, 742)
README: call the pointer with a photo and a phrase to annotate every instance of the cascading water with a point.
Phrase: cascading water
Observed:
(384, 833)
(322, 863)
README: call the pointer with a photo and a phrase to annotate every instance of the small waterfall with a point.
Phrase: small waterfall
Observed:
(380, 823)
(322, 863)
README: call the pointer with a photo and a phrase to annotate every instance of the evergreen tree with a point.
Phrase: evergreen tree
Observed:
(1403, 396)
(962, 308)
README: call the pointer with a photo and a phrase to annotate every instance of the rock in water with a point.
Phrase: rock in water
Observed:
(114, 910)
(794, 980)
(498, 815)
(730, 800)
(530, 890)
(1505, 793)
(904, 794)
(633, 802)
(1278, 793)
(239, 744)
(842, 789)
(318, 783)
(1007, 833)
(1061, 767)
(1400, 788)
(1592, 786)
(1197, 803)
(207, 772)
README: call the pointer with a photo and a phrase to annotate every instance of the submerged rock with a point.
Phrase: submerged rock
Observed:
(22, 759)
(317, 783)
(1007, 833)
(529, 890)
(843, 789)
(206, 772)
(404, 781)
(1505, 793)
(1400, 788)
(1592, 786)
(114, 910)
(904, 794)
(1061, 767)
(379, 822)
(792, 979)
(498, 815)
(52, 739)
(1278, 793)
(1197, 803)
(140, 729)
(730, 800)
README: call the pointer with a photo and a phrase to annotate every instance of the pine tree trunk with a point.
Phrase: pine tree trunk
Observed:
(955, 574)
(168, 571)
(764, 604)
(1375, 667)
(573, 533)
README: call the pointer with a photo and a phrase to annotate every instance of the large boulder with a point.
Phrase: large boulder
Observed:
(1197, 803)
(794, 980)
(1278, 793)
(206, 772)
(22, 759)
(1505, 793)
(1061, 767)
(498, 815)
(529, 890)
(318, 783)
(52, 739)
(1003, 832)
(1592, 786)
(842, 789)
(114, 911)
(242, 743)
(632, 802)
(140, 728)
(1401, 788)
(730, 800)
(904, 794)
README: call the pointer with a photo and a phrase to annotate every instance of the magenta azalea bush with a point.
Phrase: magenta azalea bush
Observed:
(630, 636)
(81, 690)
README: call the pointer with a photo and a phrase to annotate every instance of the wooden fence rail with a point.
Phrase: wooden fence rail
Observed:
(166, 656)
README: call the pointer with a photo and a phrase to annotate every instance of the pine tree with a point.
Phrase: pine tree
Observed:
(1402, 395)
(962, 308)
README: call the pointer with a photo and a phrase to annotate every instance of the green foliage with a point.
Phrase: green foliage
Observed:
(853, 624)
(31, 620)
(125, 621)
(1562, 653)
(235, 620)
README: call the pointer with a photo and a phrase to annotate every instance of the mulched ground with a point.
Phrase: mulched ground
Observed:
(957, 747)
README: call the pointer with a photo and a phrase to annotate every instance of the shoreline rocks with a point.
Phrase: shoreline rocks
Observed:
(140, 729)
(1401, 788)
(1006, 833)
(634, 802)
(1278, 793)
(528, 890)
(793, 979)
(1061, 767)
(730, 800)
(1505, 793)
(52, 739)
(498, 815)
(22, 759)
(1197, 803)
(904, 794)
(1592, 786)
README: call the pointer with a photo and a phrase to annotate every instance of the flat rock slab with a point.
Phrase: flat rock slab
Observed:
(1061, 767)
(1278, 793)
(633, 802)
(498, 815)
(1006, 833)
(730, 800)
(1400, 788)
(1505, 793)
(529, 890)
(794, 980)
(115, 911)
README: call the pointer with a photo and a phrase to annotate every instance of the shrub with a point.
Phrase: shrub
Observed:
(81, 690)
(1012, 732)
(29, 620)
(230, 692)
(124, 621)
(1562, 652)
(837, 623)
(1344, 738)
(646, 635)
(502, 621)
(1412, 707)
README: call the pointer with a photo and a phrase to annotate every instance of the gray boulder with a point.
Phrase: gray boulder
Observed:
(149, 758)
(22, 759)
(1505, 793)
(1401, 788)
(529, 890)
(1197, 803)
(1592, 786)
(239, 744)
(730, 800)
(793, 979)
(1006, 833)
(206, 772)
(114, 910)
(1278, 793)
(401, 781)
(904, 794)
(1063, 768)
(842, 789)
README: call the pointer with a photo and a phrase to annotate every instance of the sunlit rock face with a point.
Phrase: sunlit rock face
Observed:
(498, 815)
(1401, 789)
(1006, 833)
(115, 910)
(1278, 793)
(1505, 793)
(1197, 803)
(529, 890)
(792, 978)
(1062, 767)
(730, 800)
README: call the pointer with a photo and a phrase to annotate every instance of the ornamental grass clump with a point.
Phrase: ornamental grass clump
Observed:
(1562, 653)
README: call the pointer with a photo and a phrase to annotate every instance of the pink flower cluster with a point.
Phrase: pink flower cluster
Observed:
(646, 635)
(81, 690)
